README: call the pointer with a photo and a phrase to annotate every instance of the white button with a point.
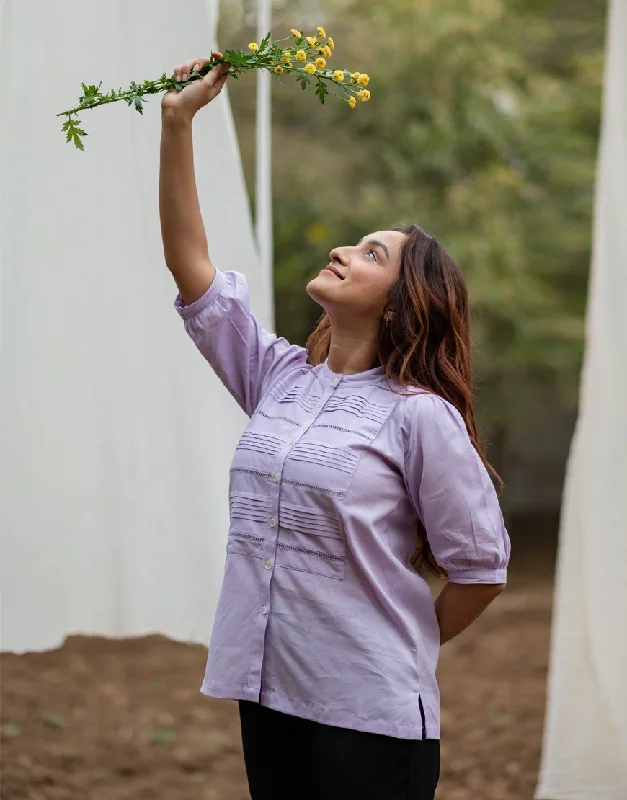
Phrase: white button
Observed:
(264, 610)
(336, 381)
(268, 564)
(275, 477)
(272, 522)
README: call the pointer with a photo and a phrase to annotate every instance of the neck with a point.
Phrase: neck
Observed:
(352, 349)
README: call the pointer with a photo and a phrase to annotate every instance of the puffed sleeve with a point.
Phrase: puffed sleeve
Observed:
(453, 494)
(246, 358)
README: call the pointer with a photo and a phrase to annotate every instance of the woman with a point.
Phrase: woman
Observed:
(359, 448)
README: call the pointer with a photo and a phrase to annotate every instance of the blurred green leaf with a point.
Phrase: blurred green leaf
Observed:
(11, 731)
(163, 736)
(52, 720)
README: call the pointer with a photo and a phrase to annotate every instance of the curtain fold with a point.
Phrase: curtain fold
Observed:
(585, 745)
(116, 438)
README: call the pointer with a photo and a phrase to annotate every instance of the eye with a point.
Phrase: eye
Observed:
(368, 252)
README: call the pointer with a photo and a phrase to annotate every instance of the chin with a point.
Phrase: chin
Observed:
(318, 291)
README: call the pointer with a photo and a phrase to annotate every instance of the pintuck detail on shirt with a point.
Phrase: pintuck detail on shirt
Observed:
(321, 614)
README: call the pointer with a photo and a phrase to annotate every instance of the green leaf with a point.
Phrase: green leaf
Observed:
(91, 91)
(11, 731)
(321, 91)
(264, 41)
(163, 736)
(52, 720)
(73, 132)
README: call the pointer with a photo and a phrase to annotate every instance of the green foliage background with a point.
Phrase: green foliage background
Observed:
(482, 128)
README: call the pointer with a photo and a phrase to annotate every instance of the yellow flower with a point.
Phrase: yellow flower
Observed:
(312, 41)
(320, 63)
(331, 43)
(310, 69)
(253, 46)
(278, 70)
(364, 95)
(355, 77)
(301, 55)
(287, 58)
(295, 33)
(363, 79)
(326, 51)
(352, 102)
(338, 75)
(321, 32)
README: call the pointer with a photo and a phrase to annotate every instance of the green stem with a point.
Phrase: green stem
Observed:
(99, 102)
(160, 86)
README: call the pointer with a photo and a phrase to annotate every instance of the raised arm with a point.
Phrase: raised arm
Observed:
(214, 304)
(182, 229)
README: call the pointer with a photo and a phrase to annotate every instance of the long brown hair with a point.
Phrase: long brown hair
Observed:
(423, 341)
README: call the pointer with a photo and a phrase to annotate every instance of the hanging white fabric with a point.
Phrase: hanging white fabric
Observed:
(116, 437)
(585, 746)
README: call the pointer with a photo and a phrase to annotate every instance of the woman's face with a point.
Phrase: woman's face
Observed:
(357, 280)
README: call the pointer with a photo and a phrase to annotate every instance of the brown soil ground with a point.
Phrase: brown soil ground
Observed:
(103, 719)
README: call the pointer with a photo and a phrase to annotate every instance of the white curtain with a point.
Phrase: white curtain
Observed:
(585, 747)
(115, 437)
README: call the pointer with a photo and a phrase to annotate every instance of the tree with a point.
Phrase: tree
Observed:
(482, 128)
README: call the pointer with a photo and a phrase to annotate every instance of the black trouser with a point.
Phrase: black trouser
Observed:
(289, 758)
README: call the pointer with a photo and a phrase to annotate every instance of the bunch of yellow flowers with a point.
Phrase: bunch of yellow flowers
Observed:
(305, 57)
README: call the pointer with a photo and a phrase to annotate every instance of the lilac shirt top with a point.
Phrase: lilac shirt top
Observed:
(321, 614)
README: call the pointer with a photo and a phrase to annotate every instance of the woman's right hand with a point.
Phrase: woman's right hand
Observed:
(192, 98)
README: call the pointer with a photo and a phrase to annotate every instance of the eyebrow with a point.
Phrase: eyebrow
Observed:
(377, 243)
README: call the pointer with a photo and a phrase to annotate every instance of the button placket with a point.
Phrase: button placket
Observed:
(290, 441)
(316, 412)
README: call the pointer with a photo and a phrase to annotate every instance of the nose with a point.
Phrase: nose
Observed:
(340, 255)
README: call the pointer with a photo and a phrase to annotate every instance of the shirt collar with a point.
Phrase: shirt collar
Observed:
(335, 378)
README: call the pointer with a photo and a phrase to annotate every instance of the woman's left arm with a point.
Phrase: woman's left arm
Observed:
(456, 501)
(458, 605)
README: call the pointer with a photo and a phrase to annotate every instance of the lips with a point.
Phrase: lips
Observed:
(335, 270)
